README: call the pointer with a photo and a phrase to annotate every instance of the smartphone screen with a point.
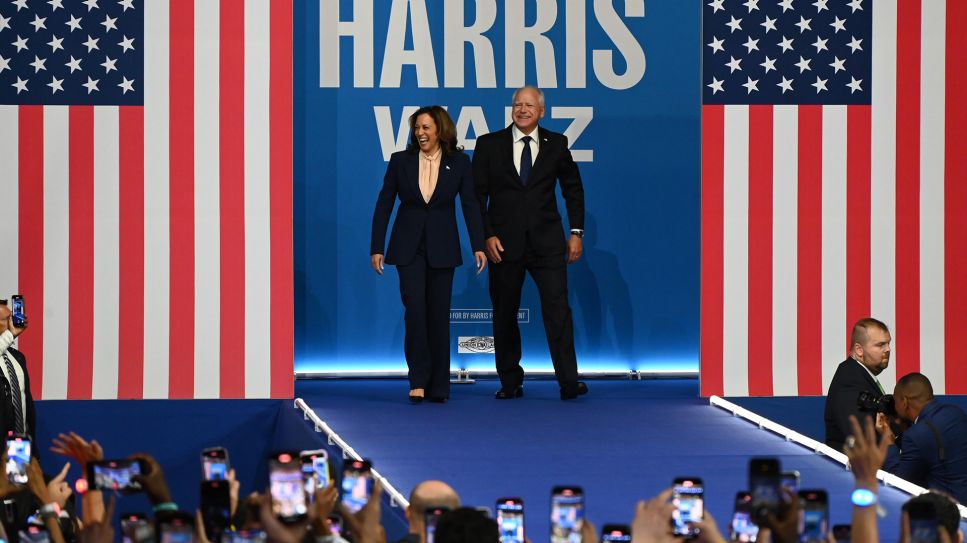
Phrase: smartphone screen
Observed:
(335, 524)
(244, 536)
(843, 533)
(18, 458)
(214, 464)
(616, 533)
(315, 470)
(923, 523)
(357, 484)
(33, 534)
(176, 528)
(215, 506)
(135, 528)
(742, 527)
(813, 516)
(510, 520)
(567, 514)
(764, 484)
(430, 518)
(114, 475)
(17, 309)
(688, 498)
(790, 481)
(288, 491)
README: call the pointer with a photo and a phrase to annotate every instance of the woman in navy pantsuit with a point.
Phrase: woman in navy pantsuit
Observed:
(425, 245)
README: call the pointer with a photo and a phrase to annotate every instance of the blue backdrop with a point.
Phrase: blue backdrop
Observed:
(620, 80)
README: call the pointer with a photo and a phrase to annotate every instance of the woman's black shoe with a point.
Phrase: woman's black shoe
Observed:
(416, 399)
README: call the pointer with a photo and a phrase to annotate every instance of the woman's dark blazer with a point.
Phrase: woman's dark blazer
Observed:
(436, 218)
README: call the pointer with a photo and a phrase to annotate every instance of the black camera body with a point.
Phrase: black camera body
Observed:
(869, 402)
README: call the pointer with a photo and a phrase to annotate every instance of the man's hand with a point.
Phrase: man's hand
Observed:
(865, 455)
(99, 531)
(365, 524)
(652, 523)
(708, 530)
(575, 248)
(785, 528)
(376, 261)
(494, 248)
(58, 489)
(322, 507)
(76, 447)
(274, 529)
(481, 259)
(153, 479)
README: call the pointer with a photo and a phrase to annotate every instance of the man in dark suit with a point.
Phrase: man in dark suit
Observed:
(17, 412)
(869, 356)
(517, 171)
(933, 450)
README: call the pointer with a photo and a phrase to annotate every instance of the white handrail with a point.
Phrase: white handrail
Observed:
(396, 499)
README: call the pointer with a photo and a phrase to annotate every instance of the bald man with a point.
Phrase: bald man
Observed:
(933, 451)
(427, 495)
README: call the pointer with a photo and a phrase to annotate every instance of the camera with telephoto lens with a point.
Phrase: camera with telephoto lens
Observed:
(869, 402)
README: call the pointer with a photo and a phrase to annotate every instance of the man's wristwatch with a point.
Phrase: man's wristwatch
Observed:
(50, 510)
(577, 232)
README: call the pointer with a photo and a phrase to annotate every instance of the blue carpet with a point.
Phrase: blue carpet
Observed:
(623, 442)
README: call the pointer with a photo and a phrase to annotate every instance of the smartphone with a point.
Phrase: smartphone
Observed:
(813, 516)
(315, 470)
(114, 475)
(176, 527)
(244, 536)
(567, 514)
(285, 484)
(764, 485)
(136, 528)
(742, 528)
(688, 497)
(923, 522)
(18, 458)
(357, 484)
(214, 464)
(843, 533)
(216, 509)
(33, 534)
(616, 533)
(430, 517)
(790, 481)
(17, 310)
(510, 520)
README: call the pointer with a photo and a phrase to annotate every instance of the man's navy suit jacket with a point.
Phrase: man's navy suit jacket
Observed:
(919, 459)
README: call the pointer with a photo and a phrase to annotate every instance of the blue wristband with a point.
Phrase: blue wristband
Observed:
(166, 506)
(863, 497)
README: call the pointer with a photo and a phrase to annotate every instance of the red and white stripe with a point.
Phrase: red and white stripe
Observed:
(816, 216)
(153, 244)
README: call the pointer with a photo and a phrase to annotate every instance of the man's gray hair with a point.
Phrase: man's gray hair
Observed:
(540, 94)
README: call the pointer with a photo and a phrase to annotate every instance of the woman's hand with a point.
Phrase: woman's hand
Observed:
(481, 259)
(376, 261)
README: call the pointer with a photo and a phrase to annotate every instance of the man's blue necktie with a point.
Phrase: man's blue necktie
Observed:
(526, 161)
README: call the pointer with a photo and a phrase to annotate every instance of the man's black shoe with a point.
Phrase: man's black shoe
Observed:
(509, 393)
(570, 392)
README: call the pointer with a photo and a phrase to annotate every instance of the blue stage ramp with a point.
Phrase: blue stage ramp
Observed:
(623, 442)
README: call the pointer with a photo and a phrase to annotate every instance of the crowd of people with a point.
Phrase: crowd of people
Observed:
(48, 508)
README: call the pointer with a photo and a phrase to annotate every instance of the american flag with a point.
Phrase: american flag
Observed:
(834, 187)
(146, 163)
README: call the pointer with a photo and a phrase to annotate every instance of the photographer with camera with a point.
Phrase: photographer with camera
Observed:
(933, 450)
(855, 379)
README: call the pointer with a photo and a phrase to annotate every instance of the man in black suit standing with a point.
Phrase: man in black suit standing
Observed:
(869, 356)
(17, 413)
(516, 171)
